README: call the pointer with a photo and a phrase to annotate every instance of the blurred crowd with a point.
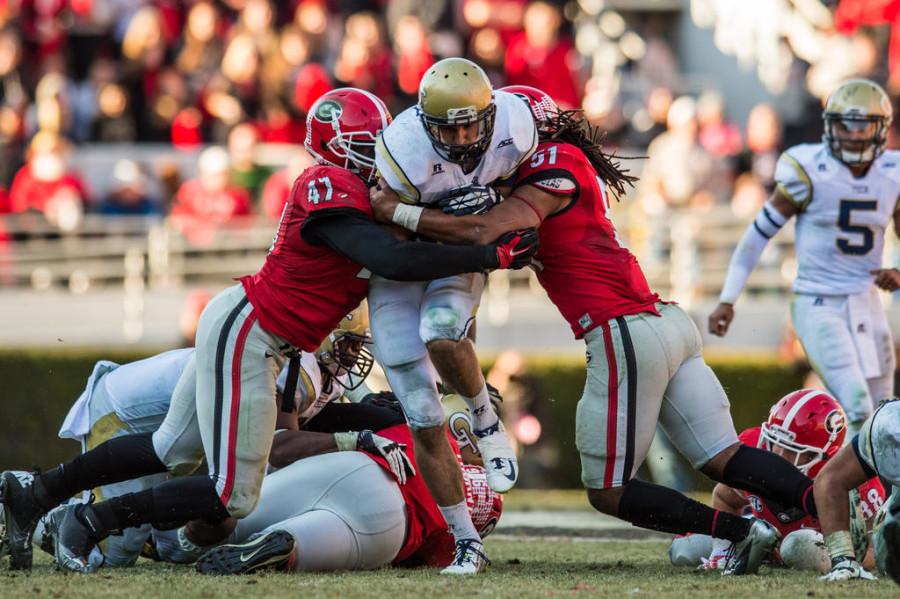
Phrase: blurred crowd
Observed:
(225, 76)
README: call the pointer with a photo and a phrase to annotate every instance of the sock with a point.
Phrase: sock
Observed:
(483, 414)
(122, 458)
(167, 505)
(460, 521)
(770, 476)
(666, 510)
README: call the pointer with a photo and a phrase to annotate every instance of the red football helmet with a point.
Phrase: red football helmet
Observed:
(543, 108)
(341, 128)
(807, 421)
(485, 505)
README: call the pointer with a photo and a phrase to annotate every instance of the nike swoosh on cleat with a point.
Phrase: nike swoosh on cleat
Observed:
(498, 464)
(245, 557)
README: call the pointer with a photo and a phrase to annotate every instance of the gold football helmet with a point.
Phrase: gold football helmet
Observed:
(456, 104)
(345, 350)
(857, 116)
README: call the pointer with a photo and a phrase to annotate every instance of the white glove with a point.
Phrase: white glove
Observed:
(846, 568)
(471, 199)
(399, 463)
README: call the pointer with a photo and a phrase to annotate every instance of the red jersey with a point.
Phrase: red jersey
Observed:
(428, 539)
(587, 272)
(303, 291)
(788, 519)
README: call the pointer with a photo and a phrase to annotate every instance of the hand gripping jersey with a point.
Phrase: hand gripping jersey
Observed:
(587, 272)
(410, 165)
(303, 291)
(788, 519)
(841, 219)
(428, 540)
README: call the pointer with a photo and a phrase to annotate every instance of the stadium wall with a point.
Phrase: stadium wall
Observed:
(40, 386)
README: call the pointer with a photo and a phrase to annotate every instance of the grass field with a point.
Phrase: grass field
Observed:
(525, 567)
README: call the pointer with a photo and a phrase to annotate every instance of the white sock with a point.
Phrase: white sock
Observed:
(483, 415)
(460, 521)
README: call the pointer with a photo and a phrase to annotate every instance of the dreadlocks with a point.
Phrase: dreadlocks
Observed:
(570, 126)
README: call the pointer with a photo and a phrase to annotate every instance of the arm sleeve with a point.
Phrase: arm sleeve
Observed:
(358, 238)
(768, 222)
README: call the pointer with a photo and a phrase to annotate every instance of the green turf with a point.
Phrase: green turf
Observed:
(522, 568)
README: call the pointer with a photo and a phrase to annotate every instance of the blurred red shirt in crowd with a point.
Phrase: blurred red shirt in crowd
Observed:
(204, 204)
(539, 57)
(277, 189)
(46, 184)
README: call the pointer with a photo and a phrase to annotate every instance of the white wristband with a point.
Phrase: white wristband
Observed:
(346, 441)
(407, 216)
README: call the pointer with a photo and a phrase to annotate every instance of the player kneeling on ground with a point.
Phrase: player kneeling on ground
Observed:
(310, 516)
(806, 427)
(874, 451)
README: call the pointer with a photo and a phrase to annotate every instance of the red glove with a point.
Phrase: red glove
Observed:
(515, 248)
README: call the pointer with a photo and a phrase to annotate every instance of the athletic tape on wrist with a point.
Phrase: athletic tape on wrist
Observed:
(407, 216)
(346, 441)
(839, 544)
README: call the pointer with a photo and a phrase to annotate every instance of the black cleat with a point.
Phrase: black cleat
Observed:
(20, 515)
(266, 551)
(745, 556)
(74, 537)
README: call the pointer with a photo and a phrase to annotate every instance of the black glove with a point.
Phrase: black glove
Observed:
(472, 199)
(515, 248)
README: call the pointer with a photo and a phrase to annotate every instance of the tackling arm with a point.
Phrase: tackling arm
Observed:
(526, 207)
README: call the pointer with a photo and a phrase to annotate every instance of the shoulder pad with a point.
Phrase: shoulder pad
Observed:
(792, 178)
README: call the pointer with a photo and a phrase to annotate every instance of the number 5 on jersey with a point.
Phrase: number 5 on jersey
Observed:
(315, 196)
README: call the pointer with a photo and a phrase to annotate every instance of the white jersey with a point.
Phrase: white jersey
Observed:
(413, 168)
(142, 390)
(310, 396)
(138, 390)
(841, 219)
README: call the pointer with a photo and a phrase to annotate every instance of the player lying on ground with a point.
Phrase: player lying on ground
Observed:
(134, 398)
(874, 451)
(460, 132)
(844, 193)
(310, 514)
(315, 273)
(806, 427)
(644, 356)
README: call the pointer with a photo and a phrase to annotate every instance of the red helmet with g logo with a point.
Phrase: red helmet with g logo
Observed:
(341, 128)
(485, 505)
(543, 108)
(807, 422)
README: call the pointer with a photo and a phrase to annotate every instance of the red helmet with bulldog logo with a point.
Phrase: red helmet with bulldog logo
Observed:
(809, 423)
(341, 128)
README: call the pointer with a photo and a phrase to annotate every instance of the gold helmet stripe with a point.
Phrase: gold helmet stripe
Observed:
(409, 192)
(802, 176)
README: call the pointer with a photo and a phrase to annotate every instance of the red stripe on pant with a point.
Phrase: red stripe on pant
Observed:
(235, 405)
(612, 409)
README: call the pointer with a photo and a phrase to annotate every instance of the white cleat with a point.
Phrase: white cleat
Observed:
(500, 462)
(470, 558)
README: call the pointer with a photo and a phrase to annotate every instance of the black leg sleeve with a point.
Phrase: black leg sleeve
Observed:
(771, 477)
(666, 510)
(342, 417)
(167, 505)
(122, 458)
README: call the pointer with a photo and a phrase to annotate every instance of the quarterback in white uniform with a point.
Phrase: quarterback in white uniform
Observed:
(844, 193)
(461, 137)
